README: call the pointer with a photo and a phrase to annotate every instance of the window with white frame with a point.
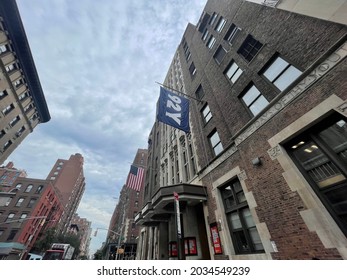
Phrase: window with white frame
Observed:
(28, 188)
(211, 42)
(213, 19)
(192, 69)
(3, 94)
(281, 73)
(206, 113)
(3, 48)
(205, 35)
(232, 33)
(215, 142)
(10, 217)
(233, 72)
(19, 202)
(220, 25)
(254, 100)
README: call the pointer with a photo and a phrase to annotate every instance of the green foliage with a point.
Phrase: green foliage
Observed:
(98, 255)
(45, 242)
(71, 239)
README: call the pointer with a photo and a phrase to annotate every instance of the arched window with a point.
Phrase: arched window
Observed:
(28, 189)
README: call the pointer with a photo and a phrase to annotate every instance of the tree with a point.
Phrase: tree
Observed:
(98, 255)
(45, 242)
(71, 239)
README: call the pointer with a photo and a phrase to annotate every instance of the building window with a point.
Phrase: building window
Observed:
(321, 155)
(242, 228)
(10, 67)
(10, 217)
(18, 82)
(220, 54)
(205, 35)
(20, 131)
(8, 109)
(3, 48)
(254, 100)
(12, 235)
(213, 19)
(23, 216)
(233, 72)
(14, 121)
(192, 159)
(206, 113)
(192, 69)
(232, 33)
(28, 188)
(24, 96)
(3, 94)
(19, 202)
(186, 166)
(2, 133)
(249, 48)
(281, 73)
(7, 203)
(7, 145)
(215, 143)
(211, 42)
(220, 25)
(31, 202)
(199, 93)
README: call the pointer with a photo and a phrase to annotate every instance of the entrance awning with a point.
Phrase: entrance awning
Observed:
(161, 206)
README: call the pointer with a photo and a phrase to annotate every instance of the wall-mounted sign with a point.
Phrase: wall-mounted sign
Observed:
(173, 249)
(190, 248)
(217, 246)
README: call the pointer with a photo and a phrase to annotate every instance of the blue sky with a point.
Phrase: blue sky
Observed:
(98, 63)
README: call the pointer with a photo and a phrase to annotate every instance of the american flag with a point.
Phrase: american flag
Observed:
(135, 178)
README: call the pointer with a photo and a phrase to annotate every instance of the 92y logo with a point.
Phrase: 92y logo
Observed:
(173, 110)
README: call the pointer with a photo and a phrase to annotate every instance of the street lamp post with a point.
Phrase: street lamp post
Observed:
(116, 233)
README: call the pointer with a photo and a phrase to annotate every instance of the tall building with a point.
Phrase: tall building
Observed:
(262, 175)
(123, 232)
(27, 210)
(67, 176)
(22, 102)
(82, 228)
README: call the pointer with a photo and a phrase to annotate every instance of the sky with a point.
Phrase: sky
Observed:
(98, 63)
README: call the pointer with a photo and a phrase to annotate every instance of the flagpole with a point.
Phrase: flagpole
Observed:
(180, 248)
(188, 96)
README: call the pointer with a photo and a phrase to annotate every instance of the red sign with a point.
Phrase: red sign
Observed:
(190, 246)
(173, 249)
(215, 239)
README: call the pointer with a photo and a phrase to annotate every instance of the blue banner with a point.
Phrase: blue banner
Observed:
(173, 110)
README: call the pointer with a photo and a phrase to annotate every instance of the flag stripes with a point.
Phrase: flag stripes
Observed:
(135, 178)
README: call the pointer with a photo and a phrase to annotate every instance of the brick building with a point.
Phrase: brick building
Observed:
(26, 211)
(22, 102)
(123, 232)
(268, 138)
(82, 228)
(67, 176)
